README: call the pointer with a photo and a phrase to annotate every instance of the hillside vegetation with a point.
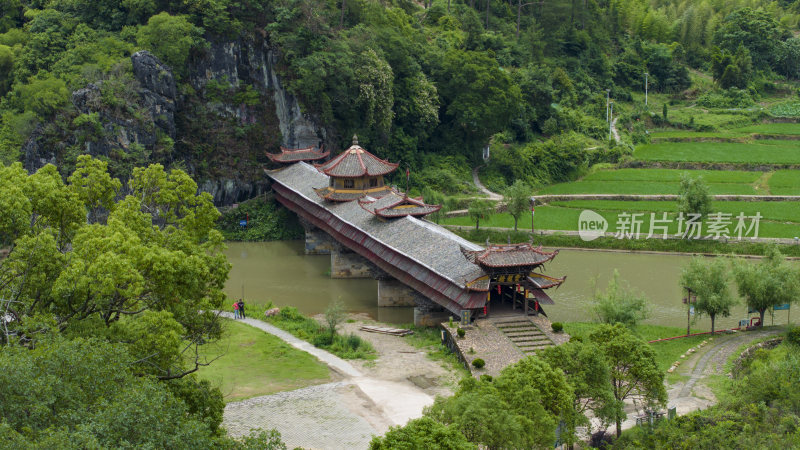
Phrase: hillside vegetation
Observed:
(426, 84)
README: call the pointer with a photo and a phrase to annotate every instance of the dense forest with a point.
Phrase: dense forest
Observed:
(426, 84)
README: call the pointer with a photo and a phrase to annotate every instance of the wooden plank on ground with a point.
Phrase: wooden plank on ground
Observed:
(384, 330)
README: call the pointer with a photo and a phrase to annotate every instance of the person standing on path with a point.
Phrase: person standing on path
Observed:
(241, 309)
(235, 310)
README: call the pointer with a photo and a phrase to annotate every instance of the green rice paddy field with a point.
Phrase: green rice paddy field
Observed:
(656, 181)
(766, 151)
(767, 129)
(778, 219)
(667, 181)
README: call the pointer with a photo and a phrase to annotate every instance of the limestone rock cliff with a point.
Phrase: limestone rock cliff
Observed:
(231, 109)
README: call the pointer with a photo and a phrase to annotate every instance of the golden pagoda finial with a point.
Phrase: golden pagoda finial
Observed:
(355, 139)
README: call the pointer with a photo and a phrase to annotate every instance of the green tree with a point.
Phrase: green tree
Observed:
(732, 70)
(100, 279)
(634, 373)
(434, 198)
(619, 303)
(756, 30)
(44, 96)
(81, 393)
(709, 280)
(480, 209)
(478, 95)
(772, 281)
(170, 38)
(588, 374)
(334, 316)
(693, 196)
(6, 67)
(421, 433)
(517, 199)
(520, 408)
(93, 185)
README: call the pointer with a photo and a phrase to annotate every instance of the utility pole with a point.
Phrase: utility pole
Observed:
(610, 119)
(645, 89)
(608, 93)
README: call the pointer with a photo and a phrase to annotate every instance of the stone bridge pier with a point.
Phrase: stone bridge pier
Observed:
(318, 242)
(391, 292)
(347, 264)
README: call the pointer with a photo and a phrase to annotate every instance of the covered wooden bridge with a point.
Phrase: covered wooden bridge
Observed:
(372, 230)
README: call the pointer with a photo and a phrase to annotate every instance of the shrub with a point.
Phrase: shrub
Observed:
(268, 221)
(478, 363)
(793, 335)
(557, 327)
(460, 331)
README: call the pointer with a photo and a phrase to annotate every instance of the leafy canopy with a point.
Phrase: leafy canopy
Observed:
(619, 303)
(709, 279)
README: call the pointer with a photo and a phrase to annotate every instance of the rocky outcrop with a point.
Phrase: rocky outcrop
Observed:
(227, 191)
(219, 140)
(253, 62)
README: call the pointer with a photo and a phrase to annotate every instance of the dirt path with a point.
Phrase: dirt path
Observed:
(712, 361)
(693, 393)
(614, 131)
(371, 397)
(475, 179)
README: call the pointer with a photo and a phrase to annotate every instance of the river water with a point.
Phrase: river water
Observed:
(280, 272)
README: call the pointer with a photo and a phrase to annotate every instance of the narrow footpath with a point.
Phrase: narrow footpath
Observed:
(342, 414)
(494, 196)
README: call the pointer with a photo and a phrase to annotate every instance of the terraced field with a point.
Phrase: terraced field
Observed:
(785, 182)
(763, 129)
(656, 181)
(758, 152)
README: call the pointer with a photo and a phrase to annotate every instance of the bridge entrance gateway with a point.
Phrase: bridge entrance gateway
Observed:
(373, 230)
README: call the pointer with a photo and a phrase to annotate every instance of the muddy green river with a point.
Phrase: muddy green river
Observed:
(280, 272)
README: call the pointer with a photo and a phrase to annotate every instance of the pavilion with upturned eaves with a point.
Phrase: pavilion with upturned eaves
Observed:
(373, 230)
(511, 276)
(354, 173)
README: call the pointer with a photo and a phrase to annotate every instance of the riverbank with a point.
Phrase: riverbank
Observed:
(652, 246)
(369, 397)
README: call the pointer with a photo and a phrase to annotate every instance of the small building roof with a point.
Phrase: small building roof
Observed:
(288, 155)
(356, 162)
(512, 255)
(396, 204)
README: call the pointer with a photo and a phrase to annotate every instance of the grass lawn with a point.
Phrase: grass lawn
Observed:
(655, 181)
(667, 352)
(759, 152)
(778, 219)
(254, 363)
(785, 182)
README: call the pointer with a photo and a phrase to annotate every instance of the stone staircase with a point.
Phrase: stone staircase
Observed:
(524, 334)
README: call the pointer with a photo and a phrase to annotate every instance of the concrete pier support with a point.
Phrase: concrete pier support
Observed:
(394, 293)
(347, 264)
(318, 242)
